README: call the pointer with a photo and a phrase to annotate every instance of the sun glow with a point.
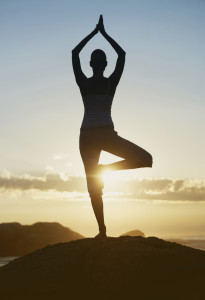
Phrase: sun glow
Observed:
(112, 176)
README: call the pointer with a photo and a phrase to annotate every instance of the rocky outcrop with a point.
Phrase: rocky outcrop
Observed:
(17, 239)
(133, 268)
(135, 232)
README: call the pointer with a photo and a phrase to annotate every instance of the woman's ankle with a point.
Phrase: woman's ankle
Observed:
(102, 229)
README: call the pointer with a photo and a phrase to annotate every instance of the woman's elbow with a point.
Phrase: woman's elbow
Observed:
(122, 53)
(75, 51)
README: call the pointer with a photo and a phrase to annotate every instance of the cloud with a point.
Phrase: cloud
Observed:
(166, 189)
(48, 182)
(150, 189)
(60, 156)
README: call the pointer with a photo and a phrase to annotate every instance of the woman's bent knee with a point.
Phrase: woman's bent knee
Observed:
(145, 161)
(148, 160)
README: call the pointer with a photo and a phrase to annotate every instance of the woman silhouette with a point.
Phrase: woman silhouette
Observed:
(97, 130)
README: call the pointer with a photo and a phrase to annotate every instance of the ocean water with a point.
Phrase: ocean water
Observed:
(197, 242)
(6, 260)
(188, 237)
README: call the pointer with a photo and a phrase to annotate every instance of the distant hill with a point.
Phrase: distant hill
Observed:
(128, 268)
(135, 232)
(17, 239)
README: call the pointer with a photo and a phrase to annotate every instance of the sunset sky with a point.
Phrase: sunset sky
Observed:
(158, 105)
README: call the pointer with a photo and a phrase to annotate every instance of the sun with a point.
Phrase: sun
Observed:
(111, 176)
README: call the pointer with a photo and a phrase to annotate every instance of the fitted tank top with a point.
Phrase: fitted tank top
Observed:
(97, 109)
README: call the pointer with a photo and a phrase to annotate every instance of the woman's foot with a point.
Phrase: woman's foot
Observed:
(101, 235)
(102, 232)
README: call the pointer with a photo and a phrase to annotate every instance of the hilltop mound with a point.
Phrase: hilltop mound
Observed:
(17, 239)
(133, 268)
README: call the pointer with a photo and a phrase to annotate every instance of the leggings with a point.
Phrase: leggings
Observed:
(95, 139)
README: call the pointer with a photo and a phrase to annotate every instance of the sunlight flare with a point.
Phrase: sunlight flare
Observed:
(111, 176)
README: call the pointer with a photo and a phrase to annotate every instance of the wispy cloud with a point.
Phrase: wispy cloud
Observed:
(60, 156)
(48, 182)
(150, 189)
(166, 189)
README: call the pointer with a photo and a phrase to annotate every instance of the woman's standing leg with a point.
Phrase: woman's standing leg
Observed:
(90, 156)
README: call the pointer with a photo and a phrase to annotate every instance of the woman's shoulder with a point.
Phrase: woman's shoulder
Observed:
(95, 78)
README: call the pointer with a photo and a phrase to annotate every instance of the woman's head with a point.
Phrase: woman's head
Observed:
(98, 60)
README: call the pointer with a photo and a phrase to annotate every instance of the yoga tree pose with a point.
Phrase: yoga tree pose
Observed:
(97, 129)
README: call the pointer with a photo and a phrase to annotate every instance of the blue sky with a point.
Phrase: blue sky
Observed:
(159, 103)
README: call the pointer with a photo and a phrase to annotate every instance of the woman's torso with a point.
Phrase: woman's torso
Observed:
(97, 95)
(96, 85)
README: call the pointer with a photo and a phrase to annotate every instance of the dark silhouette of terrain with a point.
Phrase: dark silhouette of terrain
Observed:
(133, 268)
(17, 239)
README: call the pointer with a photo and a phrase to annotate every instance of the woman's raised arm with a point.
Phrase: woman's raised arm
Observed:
(117, 48)
(79, 75)
(80, 46)
(116, 75)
